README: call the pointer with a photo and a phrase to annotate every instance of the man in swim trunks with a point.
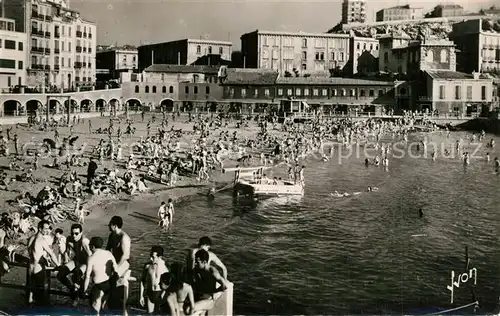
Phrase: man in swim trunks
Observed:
(204, 244)
(205, 282)
(119, 245)
(150, 281)
(76, 256)
(38, 247)
(101, 267)
(163, 215)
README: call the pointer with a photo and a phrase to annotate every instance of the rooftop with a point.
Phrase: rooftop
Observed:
(245, 76)
(298, 33)
(406, 6)
(166, 68)
(332, 81)
(449, 6)
(448, 74)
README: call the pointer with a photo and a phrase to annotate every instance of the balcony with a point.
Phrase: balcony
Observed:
(84, 64)
(35, 49)
(85, 35)
(35, 15)
(425, 99)
(78, 49)
(85, 49)
(46, 67)
(56, 51)
(78, 64)
(90, 35)
(56, 67)
(47, 34)
(90, 65)
(48, 18)
(47, 51)
(78, 33)
(37, 32)
(90, 49)
(36, 67)
(57, 35)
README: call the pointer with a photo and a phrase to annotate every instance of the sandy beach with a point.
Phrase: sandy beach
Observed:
(102, 207)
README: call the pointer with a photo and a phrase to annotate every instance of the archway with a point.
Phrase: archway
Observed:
(73, 103)
(114, 104)
(54, 105)
(100, 105)
(133, 104)
(32, 106)
(86, 105)
(167, 105)
(213, 107)
(11, 107)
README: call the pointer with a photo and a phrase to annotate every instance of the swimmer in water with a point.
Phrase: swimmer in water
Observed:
(488, 157)
(372, 189)
(420, 213)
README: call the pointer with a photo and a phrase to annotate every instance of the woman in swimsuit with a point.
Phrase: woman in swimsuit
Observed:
(176, 291)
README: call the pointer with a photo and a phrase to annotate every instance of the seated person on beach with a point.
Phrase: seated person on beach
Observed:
(76, 256)
(101, 267)
(178, 294)
(205, 280)
(205, 243)
(150, 290)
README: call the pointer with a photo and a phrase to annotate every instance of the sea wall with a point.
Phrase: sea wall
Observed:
(491, 125)
(12, 120)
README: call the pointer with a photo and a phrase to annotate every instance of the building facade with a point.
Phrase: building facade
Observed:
(456, 93)
(447, 10)
(255, 92)
(295, 54)
(62, 47)
(399, 13)
(174, 86)
(353, 11)
(182, 52)
(12, 55)
(117, 60)
(478, 43)
(364, 54)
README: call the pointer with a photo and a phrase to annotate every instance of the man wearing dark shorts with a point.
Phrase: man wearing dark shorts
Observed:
(101, 267)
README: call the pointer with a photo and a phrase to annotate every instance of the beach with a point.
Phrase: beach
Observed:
(103, 207)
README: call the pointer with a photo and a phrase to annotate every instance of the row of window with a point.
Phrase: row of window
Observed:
(7, 26)
(8, 44)
(458, 92)
(318, 42)
(315, 92)
(209, 50)
(11, 64)
(146, 89)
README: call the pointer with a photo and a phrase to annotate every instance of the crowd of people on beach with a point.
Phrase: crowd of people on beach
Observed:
(159, 158)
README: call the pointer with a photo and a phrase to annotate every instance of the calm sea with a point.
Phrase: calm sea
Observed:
(327, 255)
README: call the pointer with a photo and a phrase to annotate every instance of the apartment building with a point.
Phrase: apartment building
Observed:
(183, 52)
(364, 55)
(12, 55)
(478, 42)
(353, 11)
(446, 10)
(295, 53)
(61, 44)
(117, 60)
(399, 13)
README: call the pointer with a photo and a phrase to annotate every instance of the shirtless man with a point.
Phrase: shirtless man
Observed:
(162, 215)
(76, 256)
(37, 249)
(101, 267)
(205, 287)
(119, 245)
(204, 244)
(150, 280)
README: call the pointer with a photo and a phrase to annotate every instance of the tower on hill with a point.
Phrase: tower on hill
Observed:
(353, 11)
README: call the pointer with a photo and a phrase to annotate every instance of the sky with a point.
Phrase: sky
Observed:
(139, 22)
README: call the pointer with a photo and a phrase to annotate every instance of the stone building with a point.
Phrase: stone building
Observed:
(13, 46)
(399, 13)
